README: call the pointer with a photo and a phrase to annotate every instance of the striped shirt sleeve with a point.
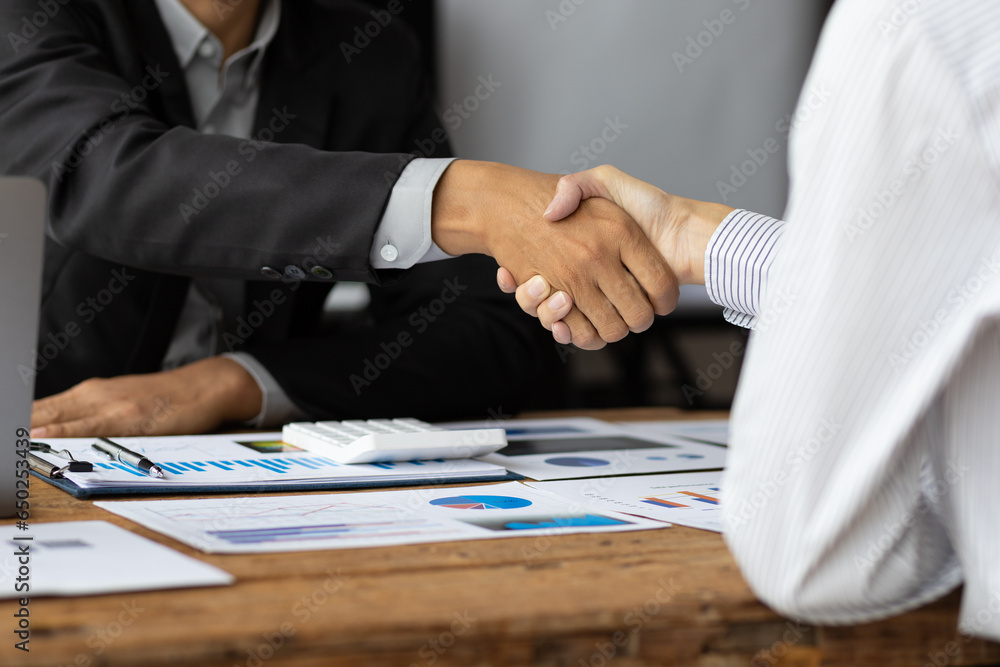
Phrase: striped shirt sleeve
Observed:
(737, 261)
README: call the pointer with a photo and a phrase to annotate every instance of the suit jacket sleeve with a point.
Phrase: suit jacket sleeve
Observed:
(77, 110)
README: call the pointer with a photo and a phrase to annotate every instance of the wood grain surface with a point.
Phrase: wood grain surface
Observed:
(663, 597)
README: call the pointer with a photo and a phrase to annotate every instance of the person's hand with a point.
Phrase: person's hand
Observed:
(195, 398)
(534, 298)
(679, 228)
(598, 255)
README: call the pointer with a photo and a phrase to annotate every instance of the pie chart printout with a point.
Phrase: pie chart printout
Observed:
(577, 462)
(482, 502)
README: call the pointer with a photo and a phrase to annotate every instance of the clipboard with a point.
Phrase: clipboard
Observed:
(45, 469)
(84, 494)
(215, 451)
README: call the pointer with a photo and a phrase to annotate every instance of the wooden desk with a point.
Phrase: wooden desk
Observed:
(662, 597)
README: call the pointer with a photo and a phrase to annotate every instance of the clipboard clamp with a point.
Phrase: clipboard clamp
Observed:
(43, 467)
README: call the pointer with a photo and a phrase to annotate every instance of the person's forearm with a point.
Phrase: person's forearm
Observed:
(698, 223)
(468, 206)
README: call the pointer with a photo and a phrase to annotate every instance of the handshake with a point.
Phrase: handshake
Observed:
(613, 249)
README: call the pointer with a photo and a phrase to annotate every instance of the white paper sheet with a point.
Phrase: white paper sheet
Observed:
(257, 524)
(688, 499)
(714, 431)
(546, 449)
(93, 557)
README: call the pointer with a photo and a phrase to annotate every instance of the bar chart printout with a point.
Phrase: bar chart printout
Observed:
(689, 499)
(271, 523)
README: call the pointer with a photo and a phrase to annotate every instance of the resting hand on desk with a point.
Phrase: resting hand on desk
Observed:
(678, 228)
(195, 398)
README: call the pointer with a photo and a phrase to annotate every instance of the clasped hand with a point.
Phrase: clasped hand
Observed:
(599, 254)
(679, 229)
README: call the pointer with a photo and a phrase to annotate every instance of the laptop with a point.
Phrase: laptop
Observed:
(22, 233)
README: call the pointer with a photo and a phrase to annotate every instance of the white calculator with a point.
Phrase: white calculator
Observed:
(383, 440)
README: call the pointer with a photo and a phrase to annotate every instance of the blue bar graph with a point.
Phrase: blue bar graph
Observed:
(276, 465)
(319, 531)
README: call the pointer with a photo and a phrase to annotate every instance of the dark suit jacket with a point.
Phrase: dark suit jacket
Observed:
(94, 103)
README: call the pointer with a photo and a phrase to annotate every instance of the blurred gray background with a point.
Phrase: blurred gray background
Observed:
(672, 91)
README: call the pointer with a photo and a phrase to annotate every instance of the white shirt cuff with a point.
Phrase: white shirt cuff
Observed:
(275, 407)
(737, 261)
(403, 237)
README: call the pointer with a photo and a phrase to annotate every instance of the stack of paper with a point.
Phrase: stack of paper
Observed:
(246, 460)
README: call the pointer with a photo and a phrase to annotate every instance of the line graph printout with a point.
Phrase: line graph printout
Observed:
(688, 499)
(221, 460)
(258, 524)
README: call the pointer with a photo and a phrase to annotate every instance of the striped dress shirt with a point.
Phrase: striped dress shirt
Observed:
(864, 470)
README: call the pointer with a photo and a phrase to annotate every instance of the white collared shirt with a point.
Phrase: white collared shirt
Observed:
(865, 435)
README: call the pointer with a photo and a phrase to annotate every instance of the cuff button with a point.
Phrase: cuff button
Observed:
(321, 272)
(389, 252)
(268, 272)
(294, 272)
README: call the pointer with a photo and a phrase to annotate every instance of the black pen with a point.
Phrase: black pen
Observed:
(115, 451)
